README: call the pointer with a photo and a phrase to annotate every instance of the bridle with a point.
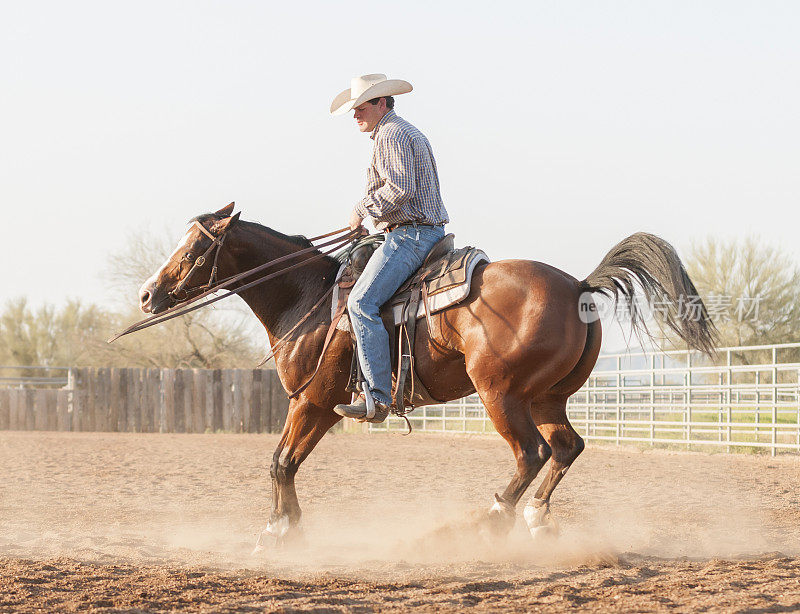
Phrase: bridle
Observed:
(187, 304)
(343, 237)
(216, 244)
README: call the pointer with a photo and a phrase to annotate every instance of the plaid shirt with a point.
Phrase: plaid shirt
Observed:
(402, 182)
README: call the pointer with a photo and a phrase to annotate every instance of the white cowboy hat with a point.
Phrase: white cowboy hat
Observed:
(367, 87)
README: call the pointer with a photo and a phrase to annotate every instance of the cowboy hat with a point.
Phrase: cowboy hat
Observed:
(367, 87)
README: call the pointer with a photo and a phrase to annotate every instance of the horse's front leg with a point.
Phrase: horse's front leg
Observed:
(306, 423)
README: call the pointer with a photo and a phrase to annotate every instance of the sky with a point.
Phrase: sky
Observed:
(559, 128)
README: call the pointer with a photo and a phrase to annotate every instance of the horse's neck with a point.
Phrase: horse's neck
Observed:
(280, 302)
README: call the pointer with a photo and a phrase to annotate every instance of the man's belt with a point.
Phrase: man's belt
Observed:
(392, 227)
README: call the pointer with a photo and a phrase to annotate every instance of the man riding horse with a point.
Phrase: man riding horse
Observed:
(518, 338)
(404, 202)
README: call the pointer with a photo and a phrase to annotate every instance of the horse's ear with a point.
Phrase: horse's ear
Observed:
(225, 211)
(225, 223)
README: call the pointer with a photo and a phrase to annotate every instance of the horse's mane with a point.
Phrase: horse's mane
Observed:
(299, 240)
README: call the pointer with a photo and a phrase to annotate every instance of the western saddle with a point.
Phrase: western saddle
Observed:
(442, 280)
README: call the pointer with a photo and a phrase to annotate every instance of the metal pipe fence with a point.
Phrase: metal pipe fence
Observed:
(748, 399)
(33, 377)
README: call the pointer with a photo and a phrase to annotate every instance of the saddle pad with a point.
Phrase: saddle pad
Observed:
(436, 302)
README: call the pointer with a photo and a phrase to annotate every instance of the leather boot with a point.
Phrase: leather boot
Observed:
(358, 410)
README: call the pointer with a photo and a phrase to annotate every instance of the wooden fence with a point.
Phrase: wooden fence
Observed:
(151, 401)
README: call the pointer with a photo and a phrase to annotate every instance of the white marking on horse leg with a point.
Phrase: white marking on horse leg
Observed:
(259, 547)
(279, 528)
(540, 532)
(502, 517)
(272, 533)
(502, 507)
(529, 514)
(537, 517)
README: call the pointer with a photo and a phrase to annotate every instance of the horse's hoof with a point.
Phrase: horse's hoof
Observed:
(545, 532)
(541, 524)
(294, 539)
(272, 536)
(259, 548)
(501, 517)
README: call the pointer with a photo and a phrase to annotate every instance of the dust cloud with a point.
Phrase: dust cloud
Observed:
(374, 503)
(392, 524)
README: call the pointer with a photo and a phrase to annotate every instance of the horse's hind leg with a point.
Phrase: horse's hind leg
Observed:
(512, 419)
(550, 416)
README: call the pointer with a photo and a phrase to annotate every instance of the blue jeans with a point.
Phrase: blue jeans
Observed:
(391, 264)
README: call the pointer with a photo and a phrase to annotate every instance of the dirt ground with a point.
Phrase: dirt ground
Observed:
(167, 522)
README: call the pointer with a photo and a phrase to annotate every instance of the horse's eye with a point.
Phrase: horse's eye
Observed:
(188, 257)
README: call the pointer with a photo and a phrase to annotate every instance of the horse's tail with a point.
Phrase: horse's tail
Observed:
(654, 264)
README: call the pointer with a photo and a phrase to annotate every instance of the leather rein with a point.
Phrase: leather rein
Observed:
(189, 304)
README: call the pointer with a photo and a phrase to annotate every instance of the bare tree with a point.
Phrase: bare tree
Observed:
(209, 338)
(76, 333)
(71, 335)
(752, 290)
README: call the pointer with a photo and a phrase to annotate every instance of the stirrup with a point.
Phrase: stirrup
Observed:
(361, 411)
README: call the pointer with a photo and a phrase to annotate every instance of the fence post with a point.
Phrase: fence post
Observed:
(28, 396)
(135, 398)
(591, 412)
(188, 400)
(721, 406)
(5, 409)
(208, 378)
(588, 407)
(109, 419)
(758, 402)
(178, 394)
(689, 398)
(216, 384)
(279, 402)
(39, 409)
(148, 399)
(12, 410)
(121, 381)
(619, 398)
(774, 402)
(256, 397)
(237, 415)
(162, 400)
(198, 401)
(652, 399)
(246, 383)
(92, 384)
(169, 402)
(78, 398)
(729, 397)
(63, 415)
(227, 400)
(52, 410)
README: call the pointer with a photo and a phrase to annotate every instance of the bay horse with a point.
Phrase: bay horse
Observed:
(518, 340)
